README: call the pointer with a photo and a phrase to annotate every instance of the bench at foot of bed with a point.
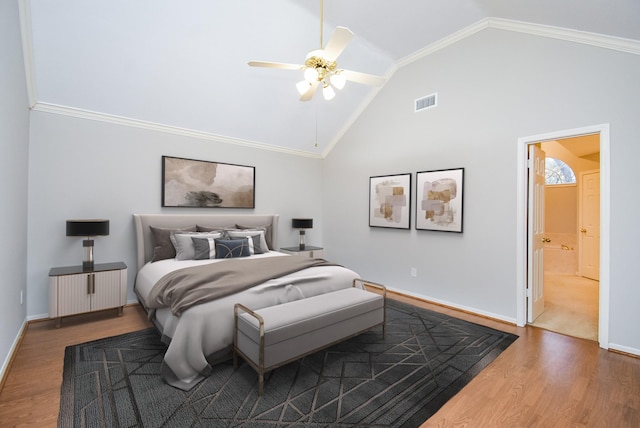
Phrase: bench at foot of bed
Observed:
(272, 337)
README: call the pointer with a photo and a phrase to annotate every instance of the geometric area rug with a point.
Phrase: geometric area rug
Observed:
(396, 381)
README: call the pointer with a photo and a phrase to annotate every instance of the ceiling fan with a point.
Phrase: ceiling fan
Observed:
(321, 69)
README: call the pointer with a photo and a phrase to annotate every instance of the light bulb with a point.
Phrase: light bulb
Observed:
(303, 86)
(310, 75)
(328, 92)
(338, 80)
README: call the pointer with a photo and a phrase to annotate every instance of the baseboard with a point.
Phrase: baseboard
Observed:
(6, 365)
(38, 317)
(624, 350)
(455, 306)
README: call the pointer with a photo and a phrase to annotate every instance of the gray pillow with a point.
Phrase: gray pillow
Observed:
(267, 232)
(161, 241)
(202, 228)
(184, 245)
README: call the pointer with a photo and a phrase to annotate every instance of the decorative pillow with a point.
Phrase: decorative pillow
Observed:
(259, 244)
(204, 248)
(161, 241)
(184, 245)
(202, 228)
(229, 248)
(267, 232)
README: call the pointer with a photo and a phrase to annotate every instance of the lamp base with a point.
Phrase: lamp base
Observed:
(302, 245)
(87, 263)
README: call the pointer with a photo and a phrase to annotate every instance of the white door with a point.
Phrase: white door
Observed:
(589, 237)
(535, 275)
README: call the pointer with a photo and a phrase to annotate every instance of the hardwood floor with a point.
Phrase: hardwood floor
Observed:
(31, 394)
(543, 379)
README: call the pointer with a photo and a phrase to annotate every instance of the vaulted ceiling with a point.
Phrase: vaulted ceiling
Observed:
(182, 64)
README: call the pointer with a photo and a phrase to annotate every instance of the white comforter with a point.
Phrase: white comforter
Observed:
(206, 330)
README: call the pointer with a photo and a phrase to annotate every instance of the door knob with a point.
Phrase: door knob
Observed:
(583, 230)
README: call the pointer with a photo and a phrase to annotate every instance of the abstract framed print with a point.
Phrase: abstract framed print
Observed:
(439, 200)
(204, 184)
(390, 201)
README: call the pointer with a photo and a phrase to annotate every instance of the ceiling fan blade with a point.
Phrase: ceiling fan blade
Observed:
(336, 44)
(364, 78)
(275, 65)
(312, 90)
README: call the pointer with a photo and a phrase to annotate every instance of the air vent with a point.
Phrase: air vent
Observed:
(426, 102)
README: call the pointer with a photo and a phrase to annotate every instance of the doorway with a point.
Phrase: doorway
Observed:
(571, 237)
(522, 262)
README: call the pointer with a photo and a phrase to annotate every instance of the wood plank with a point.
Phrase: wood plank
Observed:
(542, 379)
(31, 393)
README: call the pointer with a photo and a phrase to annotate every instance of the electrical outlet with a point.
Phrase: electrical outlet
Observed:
(414, 272)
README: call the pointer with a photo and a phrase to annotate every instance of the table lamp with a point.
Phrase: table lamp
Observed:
(302, 224)
(88, 228)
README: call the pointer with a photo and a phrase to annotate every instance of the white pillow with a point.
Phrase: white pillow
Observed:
(259, 241)
(184, 245)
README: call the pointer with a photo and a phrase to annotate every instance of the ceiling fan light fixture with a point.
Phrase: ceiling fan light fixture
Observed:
(303, 86)
(310, 75)
(338, 80)
(327, 92)
(320, 66)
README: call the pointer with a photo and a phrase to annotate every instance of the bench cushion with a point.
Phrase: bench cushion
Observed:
(296, 328)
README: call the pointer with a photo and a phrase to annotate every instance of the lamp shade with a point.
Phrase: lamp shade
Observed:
(302, 223)
(88, 227)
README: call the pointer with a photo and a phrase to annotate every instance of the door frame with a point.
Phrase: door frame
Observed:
(521, 222)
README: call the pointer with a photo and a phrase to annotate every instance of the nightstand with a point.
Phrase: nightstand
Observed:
(75, 291)
(309, 251)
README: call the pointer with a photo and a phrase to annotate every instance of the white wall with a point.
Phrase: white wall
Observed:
(87, 169)
(14, 146)
(493, 88)
(561, 210)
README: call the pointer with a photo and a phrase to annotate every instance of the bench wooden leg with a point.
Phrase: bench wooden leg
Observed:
(260, 383)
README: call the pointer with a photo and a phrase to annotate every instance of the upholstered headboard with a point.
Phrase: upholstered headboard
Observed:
(143, 232)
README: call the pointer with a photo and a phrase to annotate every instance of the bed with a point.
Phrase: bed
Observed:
(200, 334)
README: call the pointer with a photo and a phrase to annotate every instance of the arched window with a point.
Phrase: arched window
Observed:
(558, 172)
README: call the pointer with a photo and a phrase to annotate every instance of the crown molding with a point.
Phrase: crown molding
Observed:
(158, 127)
(443, 43)
(593, 39)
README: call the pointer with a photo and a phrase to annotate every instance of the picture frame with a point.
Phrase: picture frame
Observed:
(390, 201)
(439, 200)
(204, 184)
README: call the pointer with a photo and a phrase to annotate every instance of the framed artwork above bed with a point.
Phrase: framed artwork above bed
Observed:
(205, 184)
